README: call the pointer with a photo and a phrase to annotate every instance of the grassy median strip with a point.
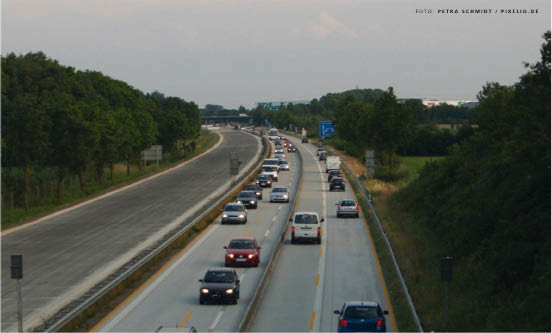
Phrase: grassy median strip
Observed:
(73, 195)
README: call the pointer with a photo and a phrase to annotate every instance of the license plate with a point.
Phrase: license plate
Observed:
(306, 228)
(240, 260)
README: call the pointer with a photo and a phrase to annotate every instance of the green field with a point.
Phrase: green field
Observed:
(416, 163)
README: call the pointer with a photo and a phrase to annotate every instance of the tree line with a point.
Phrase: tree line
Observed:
(489, 204)
(70, 121)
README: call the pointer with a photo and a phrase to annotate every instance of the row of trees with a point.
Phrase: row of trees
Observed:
(56, 117)
(489, 204)
(375, 119)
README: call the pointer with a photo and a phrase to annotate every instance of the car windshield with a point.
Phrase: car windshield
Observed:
(269, 168)
(306, 219)
(270, 162)
(233, 208)
(247, 194)
(361, 312)
(262, 177)
(251, 188)
(219, 277)
(283, 162)
(334, 172)
(241, 244)
(348, 203)
(279, 189)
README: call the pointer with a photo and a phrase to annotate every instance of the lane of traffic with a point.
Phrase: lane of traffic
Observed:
(175, 293)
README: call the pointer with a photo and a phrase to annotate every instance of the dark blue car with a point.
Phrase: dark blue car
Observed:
(361, 316)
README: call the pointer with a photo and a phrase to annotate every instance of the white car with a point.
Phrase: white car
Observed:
(279, 194)
(271, 170)
(306, 226)
(284, 165)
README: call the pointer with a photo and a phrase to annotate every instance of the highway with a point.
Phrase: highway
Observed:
(171, 299)
(67, 253)
(309, 281)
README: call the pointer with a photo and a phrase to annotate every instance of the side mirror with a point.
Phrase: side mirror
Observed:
(238, 281)
(385, 312)
(336, 204)
(225, 247)
(322, 220)
(258, 247)
(337, 312)
(200, 280)
(291, 219)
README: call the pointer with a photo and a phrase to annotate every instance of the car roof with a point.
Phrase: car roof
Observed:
(361, 303)
(346, 199)
(305, 213)
(275, 187)
(233, 204)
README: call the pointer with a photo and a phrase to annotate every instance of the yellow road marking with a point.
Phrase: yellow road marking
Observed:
(266, 207)
(311, 324)
(185, 319)
(320, 252)
(321, 233)
(259, 218)
(148, 281)
(317, 279)
(323, 206)
(249, 233)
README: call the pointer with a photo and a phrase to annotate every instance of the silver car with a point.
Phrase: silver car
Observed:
(284, 166)
(347, 207)
(279, 194)
(234, 213)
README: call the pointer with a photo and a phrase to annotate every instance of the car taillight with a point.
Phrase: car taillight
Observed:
(342, 322)
(318, 229)
(293, 229)
(356, 207)
(340, 175)
(338, 207)
(379, 323)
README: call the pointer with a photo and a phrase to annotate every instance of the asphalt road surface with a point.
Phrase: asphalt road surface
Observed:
(309, 281)
(66, 254)
(171, 299)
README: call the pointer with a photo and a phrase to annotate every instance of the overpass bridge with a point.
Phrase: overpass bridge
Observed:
(242, 118)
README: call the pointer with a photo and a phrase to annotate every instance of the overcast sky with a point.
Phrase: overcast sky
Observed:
(236, 53)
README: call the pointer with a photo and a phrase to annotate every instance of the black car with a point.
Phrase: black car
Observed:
(323, 155)
(305, 140)
(264, 180)
(255, 188)
(334, 173)
(248, 199)
(292, 149)
(219, 285)
(337, 183)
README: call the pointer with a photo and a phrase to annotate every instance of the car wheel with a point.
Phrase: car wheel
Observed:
(293, 240)
(357, 216)
(235, 301)
(201, 302)
(287, 201)
(318, 241)
(338, 216)
(222, 222)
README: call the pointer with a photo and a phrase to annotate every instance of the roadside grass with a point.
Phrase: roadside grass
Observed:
(416, 249)
(73, 195)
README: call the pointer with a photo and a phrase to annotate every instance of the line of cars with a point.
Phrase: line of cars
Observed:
(221, 284)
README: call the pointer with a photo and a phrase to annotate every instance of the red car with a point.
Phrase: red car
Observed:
(242, 251)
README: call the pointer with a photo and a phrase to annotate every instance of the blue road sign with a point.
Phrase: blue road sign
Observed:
(326, 128)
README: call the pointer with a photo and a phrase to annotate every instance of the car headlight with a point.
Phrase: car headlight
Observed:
(204, 291)
(258, 193)
(229, 291)
(251, 256)
(239, 201)
(230, 255)
(252, 201)
(241, 216)
(285, 196)
(268, 182)
(224, 215)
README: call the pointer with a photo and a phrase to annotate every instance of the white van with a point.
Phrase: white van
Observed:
(305, 226)
(333, 163)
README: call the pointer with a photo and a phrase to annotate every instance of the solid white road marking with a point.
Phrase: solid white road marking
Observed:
(274, 218)
(217, 319)
(266, 233)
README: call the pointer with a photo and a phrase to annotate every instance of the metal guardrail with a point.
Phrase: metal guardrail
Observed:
(71, 311)
(252, 307)
(368, 198)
